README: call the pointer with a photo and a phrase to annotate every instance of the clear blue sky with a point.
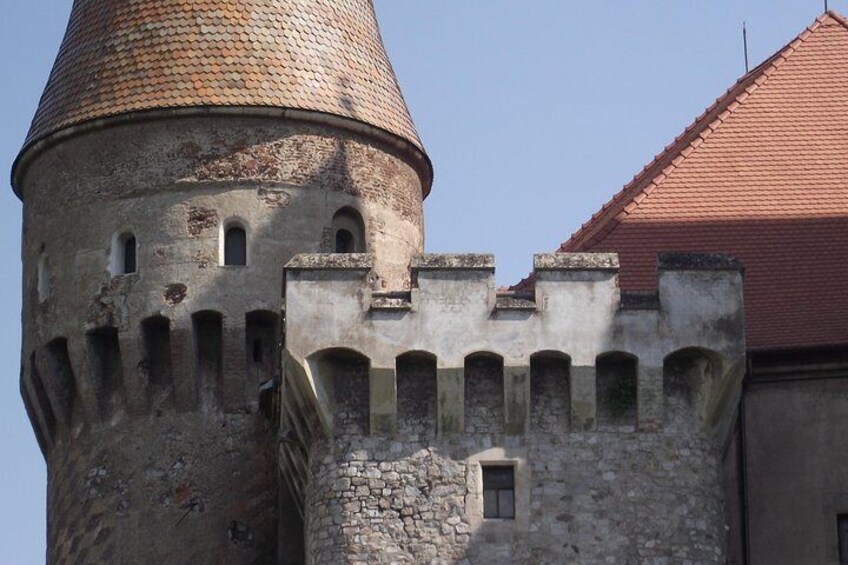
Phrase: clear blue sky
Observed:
(534, 112)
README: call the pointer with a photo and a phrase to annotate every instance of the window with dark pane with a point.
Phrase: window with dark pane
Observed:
(235, 246)
(348, 231)
(842, 525)
(499, 492)
(345, 242)
(129, 255)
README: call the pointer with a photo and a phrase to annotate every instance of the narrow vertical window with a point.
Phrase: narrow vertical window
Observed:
(129, 255)
(842, 525)
(124, 259)
(499, 492)
(235, 246)
(349, 231)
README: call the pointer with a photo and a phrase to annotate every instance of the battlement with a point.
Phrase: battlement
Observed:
(453, 313)
(164, 363)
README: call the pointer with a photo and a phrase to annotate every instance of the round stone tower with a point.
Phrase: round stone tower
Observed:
(182, 152)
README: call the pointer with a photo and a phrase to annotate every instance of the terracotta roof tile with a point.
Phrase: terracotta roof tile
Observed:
(762, 175)
(122, 56)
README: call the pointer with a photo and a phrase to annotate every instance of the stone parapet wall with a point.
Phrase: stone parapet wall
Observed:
(453, 311)
(611, 412)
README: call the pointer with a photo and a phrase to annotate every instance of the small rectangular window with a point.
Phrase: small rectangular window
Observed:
(499, 492)
(842, 525)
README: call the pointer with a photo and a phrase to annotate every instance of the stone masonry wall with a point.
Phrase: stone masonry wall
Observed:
(592, 497)
(550, 410)
(155, 363)
(182, 489)
(484, 395)
(416, 396)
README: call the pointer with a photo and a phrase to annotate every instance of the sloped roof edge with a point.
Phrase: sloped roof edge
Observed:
(663, 165)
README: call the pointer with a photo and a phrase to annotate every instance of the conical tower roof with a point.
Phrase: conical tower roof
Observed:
(125, 56)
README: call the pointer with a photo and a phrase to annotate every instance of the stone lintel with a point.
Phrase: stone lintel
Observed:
(86, 387)
(182, 365)
(583, 398)
(650, 401)
(383, 401)
(330, 262)
(697, 262)
(450, 401)
(576, 262)
(516, 400)
(234, 360)
(136, 380)
(453, 262)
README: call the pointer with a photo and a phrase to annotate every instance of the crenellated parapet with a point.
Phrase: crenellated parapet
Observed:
(163, 362)
(396, 406)
(454, 311)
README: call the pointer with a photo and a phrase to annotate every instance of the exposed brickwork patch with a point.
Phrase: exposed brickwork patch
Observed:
(199, 219)
(274, 198)
(175, 293)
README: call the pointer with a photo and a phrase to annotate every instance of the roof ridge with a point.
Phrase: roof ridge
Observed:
(646, 181)
(626, 200)
(836, 16)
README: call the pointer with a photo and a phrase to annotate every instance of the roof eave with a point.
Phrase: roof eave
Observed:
(416, 155)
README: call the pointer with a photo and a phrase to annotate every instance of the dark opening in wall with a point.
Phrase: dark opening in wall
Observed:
(617, 383)
(550, 392)
(292, 548)
(62, 374)
(130, 255)
(688, 376)
(345, 242)
(484, 394)
(349, 230)
(235, 246)
(41, 398)
(263, 349)
(498, 492)
(343, 381)
(104, 355)
(156, 336)
(416, 394)
(124, 254)
(208, 361)
(842, 528)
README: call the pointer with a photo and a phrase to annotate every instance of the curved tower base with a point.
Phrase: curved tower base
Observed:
(175, 488)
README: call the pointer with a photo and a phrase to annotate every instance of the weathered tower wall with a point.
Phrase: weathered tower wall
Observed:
(144, 388)
(610, 409)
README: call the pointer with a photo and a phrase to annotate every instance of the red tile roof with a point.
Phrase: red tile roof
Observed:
(122, 56)
(761, 175)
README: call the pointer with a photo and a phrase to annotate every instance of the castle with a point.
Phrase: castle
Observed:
(249, 358)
